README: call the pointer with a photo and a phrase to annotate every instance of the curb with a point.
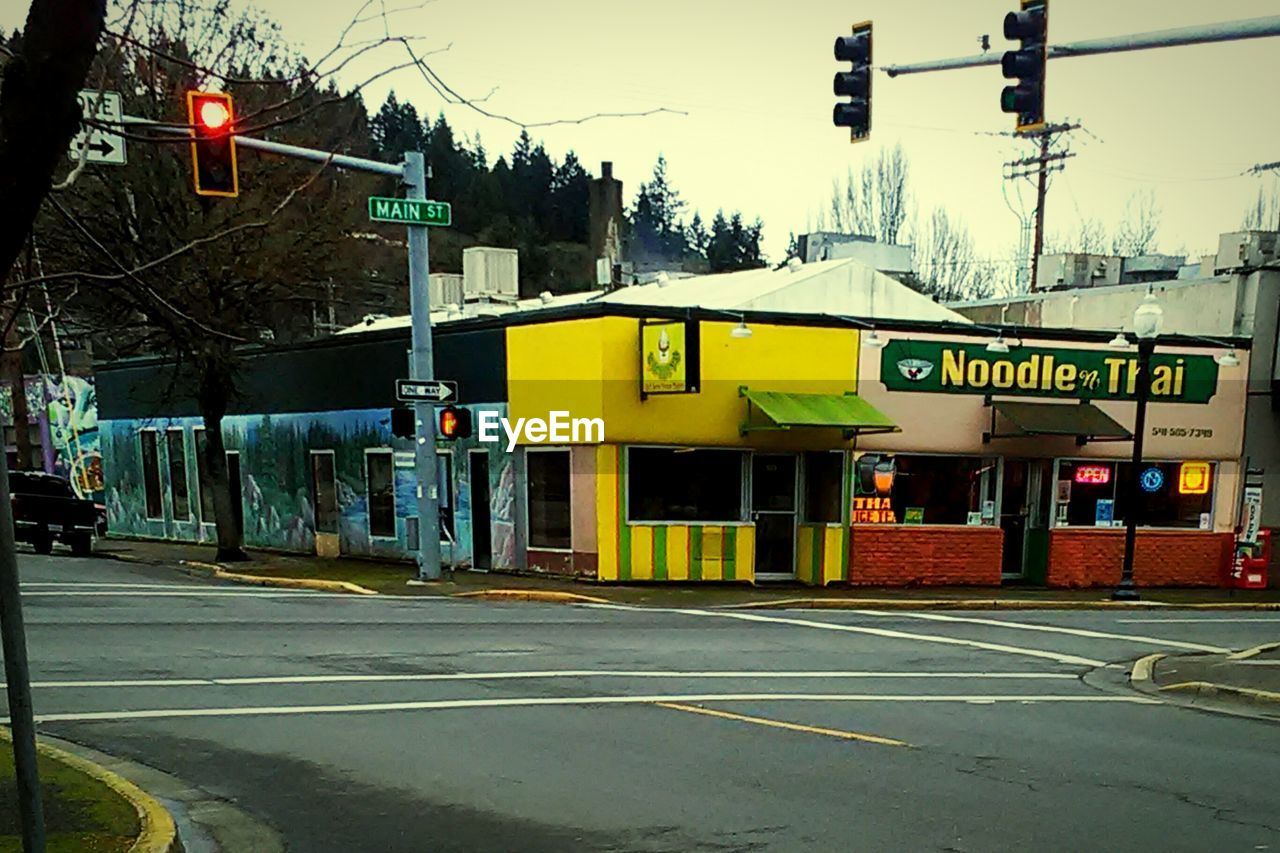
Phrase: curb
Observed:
(1140, 676)
(986, 604)
(216, 570)
(1253, 652)
(1207, 688)
(157, 832)
(531, 595)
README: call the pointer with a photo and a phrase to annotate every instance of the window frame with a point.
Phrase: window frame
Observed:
(199, 434)
(368, 491)
(997, 483)
(444, 470)
(744, 494)
(159, 484)
(174, 494)
(529, 546)
(315, 492)
(1115, 496)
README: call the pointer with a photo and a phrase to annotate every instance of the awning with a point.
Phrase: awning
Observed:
(785, 410)
(1084, 421)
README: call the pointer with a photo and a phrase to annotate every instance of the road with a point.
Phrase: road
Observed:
(387, 724)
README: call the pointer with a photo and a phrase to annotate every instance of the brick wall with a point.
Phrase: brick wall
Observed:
(922, 555)
(1091, 557)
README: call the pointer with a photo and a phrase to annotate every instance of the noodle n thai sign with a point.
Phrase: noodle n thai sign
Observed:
(942, 367)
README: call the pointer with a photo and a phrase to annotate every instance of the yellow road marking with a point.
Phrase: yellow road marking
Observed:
(781, 724)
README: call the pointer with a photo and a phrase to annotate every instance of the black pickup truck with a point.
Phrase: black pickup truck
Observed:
(46, 508)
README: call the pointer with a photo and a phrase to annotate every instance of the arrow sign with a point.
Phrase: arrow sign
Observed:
(99, 145)
(426, 390)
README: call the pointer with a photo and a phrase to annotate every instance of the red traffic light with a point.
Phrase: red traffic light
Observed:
(454, 423)
(213, 144)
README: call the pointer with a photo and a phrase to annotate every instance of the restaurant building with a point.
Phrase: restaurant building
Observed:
(736, 446)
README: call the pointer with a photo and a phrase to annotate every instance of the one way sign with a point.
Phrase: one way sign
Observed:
(426, 390)
(103, 146)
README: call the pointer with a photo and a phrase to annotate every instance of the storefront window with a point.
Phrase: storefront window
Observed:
(1170, 494)
(675, 484)
(379, 472)
(151, 473)
(548, 494)
(898, 489)
(823, 476)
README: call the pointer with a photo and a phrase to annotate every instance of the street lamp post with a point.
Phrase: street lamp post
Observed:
(1147, 320)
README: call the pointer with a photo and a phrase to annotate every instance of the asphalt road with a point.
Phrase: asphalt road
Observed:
(359, 723)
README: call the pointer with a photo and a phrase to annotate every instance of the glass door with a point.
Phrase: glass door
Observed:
(773, 509)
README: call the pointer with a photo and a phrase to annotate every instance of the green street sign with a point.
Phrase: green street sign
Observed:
(407, 211)
(940, 367)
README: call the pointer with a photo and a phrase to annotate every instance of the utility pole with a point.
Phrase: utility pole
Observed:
(423, 368)
(1041, 166)
(17, 676)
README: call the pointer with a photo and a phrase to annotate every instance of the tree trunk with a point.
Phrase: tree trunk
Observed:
(39, 112)
(215, 388)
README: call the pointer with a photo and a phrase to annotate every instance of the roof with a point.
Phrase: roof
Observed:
(843, 287)
(1082, 420)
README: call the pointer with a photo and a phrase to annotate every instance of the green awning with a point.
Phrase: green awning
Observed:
(785, 410)
(1082, 420)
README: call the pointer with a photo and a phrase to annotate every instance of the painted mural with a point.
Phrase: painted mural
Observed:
(275, 455)
(66, 409)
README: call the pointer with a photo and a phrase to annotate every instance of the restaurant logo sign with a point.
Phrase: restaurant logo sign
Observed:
(668, 357)
(942, 367)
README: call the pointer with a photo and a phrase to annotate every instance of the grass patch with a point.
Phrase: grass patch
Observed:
(81, 814)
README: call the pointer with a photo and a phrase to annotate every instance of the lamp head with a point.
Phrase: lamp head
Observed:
(1148, 318)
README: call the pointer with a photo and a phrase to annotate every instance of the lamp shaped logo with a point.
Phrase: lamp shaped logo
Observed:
(664, 360)
(1194, 478)
(915, 369)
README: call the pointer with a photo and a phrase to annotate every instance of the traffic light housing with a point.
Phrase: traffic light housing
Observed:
(403, 423)
(213, 146)
(855, 84)
(453, 423)
(1030, 26)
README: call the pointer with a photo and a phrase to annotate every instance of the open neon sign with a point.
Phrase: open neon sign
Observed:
(1093, 475)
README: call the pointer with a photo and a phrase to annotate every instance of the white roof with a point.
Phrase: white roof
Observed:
(845, 287)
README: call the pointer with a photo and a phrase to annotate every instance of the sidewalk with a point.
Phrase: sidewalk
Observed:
(390, 577)
(1249, 679)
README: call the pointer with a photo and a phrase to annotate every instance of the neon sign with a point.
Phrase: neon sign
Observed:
(1093, 475)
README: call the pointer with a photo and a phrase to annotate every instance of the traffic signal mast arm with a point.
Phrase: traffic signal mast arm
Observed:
(1205, 34)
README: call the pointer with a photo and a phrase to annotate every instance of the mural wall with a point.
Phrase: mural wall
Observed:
(66, 409)
(276, 483)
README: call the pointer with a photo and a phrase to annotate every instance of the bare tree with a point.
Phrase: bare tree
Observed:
(1139, 225)
(1264, 213)
(874, 201)
(947, 262)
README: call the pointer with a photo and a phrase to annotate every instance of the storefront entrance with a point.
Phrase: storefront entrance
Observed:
(1024, 518)
(773, 509)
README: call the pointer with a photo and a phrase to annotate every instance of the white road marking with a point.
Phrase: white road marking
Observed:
(112, 585)
(533, 701)
(231, 591)
(534, 674)
(1059, 657)
(1258, 662)
(1047, 629)
(1205, 619)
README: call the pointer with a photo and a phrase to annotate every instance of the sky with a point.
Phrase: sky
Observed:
(752, 82)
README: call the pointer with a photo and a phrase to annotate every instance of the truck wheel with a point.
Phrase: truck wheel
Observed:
(82, 545)
(43, 544)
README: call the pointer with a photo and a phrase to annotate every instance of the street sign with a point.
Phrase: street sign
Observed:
(104, 146)
(408, 211)
(426, 391)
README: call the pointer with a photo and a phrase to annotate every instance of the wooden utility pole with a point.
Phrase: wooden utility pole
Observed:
(1041, 166)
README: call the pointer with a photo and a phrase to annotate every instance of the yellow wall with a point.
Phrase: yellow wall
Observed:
(591, 368)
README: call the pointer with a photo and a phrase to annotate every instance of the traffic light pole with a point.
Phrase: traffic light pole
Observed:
(1205, 34)
(413, 175)
(424, 449)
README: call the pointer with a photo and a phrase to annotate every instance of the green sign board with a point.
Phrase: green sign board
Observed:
(407, 211)
(945, 367)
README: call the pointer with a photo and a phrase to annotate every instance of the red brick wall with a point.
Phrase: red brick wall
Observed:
(1091, 557)
(921, 555)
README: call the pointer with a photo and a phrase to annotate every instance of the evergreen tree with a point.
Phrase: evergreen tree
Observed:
(396, 129)
(570, 201)
(656, 231)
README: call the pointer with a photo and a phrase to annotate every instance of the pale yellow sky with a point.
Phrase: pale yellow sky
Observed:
(755, 78)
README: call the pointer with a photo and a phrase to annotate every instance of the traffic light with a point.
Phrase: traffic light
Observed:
(855, 84)
(454, 423)
(403, 423)
(1027, 64)
(213, 147)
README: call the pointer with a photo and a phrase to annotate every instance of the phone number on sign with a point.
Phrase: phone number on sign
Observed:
(1183, 432)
